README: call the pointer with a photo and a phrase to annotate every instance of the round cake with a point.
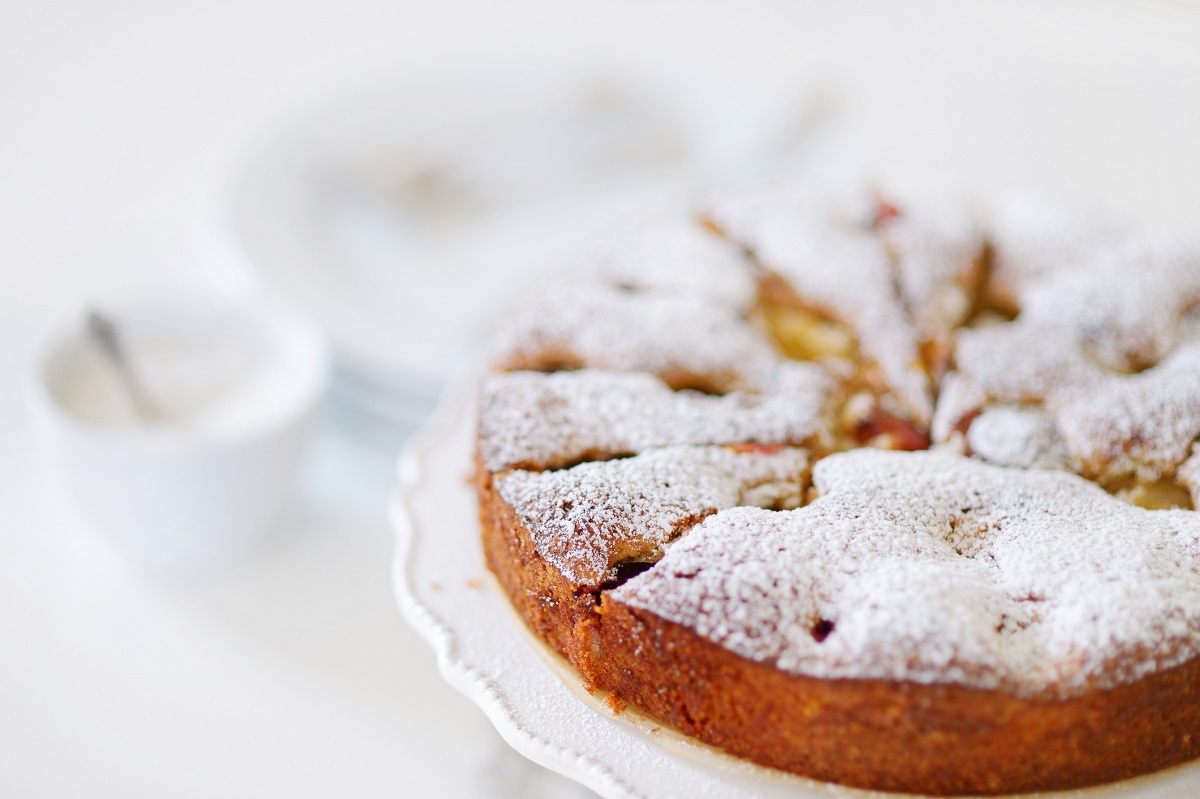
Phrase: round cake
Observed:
(867, 483)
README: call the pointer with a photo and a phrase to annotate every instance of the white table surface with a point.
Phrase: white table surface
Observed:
(291, 674)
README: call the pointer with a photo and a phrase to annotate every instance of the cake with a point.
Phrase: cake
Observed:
(866, 483)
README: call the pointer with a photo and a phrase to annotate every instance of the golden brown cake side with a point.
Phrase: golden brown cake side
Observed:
(896, 736)
(544, 598)
(881, 734)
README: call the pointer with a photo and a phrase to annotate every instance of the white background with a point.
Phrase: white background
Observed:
(291, 674)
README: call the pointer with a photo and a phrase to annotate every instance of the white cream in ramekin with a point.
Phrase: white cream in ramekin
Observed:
(237, 390)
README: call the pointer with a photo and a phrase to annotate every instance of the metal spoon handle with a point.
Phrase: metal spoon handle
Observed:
(104, 334)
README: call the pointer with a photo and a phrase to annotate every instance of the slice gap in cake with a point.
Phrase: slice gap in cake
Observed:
(593, 522)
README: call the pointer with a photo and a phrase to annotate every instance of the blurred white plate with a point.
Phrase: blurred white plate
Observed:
(447, 594)
(402, 217)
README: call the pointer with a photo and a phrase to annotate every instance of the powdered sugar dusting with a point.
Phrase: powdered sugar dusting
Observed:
(936, 245)
(1012, 435)
(1188, 475)
(897, 265)
(1109, 348)
(587, 519)
(678, 256)
(1140, 426)
(540, 421)
(1033, 237)
(933, 568)
(688, 340)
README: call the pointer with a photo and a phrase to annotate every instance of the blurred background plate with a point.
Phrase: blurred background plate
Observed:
(407, 218)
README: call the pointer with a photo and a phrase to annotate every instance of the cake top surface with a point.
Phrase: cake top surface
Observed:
(686, 339)
(932, 567)
(1107, 349)
(893, 262)
(532, 420)
(1031, 341)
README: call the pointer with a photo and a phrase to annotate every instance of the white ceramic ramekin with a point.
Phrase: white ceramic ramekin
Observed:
(180, 496)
